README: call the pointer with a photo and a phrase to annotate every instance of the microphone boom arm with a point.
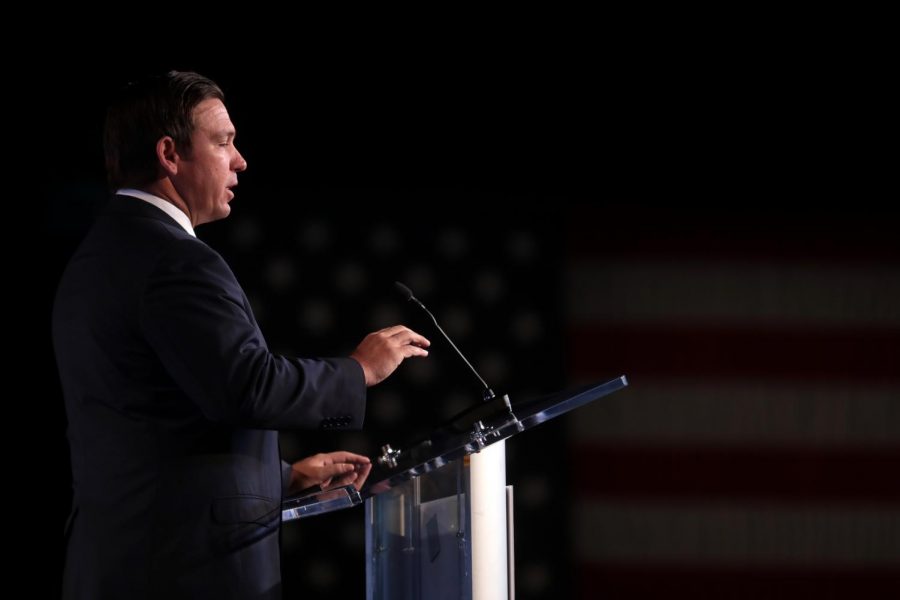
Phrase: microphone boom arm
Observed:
(488, 394)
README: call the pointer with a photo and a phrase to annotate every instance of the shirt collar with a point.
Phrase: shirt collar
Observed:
(164, 205)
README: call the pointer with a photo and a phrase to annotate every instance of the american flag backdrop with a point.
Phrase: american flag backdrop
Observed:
(756, 453)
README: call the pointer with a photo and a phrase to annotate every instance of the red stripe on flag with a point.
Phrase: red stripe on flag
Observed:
(820, 476)
(774, 353)
(634, 581)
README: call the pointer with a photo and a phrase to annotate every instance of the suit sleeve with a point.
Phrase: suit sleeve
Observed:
(194, 317)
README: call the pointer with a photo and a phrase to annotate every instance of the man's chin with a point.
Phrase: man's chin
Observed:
(222, 211)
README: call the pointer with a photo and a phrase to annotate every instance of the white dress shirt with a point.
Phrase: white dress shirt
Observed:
(163, 205)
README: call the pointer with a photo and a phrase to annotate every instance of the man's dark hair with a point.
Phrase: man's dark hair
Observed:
(141, 114)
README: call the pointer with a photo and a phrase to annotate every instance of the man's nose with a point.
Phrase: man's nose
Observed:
(239, 163)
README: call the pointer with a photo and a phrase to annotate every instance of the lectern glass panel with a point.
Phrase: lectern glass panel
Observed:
(417, 538)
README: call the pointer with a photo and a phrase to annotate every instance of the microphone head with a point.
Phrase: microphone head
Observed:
(405, 291)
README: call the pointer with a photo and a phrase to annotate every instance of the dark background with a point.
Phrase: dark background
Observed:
(479, 182)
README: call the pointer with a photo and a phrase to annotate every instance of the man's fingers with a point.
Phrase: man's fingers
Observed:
(336, 469)
(343, 480)
(408, 351)
(406, 335)
(419, 340)
(342, 456)
(362, 475)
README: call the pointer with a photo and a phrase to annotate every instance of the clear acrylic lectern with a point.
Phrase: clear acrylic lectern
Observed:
(439, 520)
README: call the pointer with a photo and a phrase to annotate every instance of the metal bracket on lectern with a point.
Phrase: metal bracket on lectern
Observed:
(478, 435)
(388, 456)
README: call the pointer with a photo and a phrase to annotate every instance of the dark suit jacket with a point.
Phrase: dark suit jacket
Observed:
(172, 398)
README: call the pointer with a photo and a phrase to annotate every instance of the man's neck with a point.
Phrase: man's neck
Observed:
(164, 189)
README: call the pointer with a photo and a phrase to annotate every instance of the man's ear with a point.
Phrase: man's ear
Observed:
(167, 155)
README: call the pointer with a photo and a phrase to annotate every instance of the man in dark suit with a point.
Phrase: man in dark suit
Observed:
(173, 398)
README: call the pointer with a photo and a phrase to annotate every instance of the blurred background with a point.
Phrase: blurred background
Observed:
(564, 234)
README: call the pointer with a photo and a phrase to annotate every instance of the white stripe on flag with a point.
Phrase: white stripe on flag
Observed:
(743, 412)
(716, 291)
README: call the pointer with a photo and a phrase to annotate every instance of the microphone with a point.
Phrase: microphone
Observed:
(488, 393)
